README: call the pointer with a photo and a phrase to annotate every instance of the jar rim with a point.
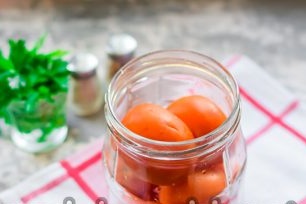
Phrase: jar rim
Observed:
(222, 129)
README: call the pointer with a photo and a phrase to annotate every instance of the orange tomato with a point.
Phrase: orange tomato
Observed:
(157, 172)
(199, 113)
(209, 161)
(154, 122)
(201, 186)
(177, 194)
(207, 184)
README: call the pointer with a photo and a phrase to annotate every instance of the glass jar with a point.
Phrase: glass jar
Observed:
(4, 126)
(41, 129)
(85, 91)
(145, 171)
(120, 49)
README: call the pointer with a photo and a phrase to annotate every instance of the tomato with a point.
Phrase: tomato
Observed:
(199, 113)
(209, 161)
(157, 172)
(177, 194)
(154, 122)
(207, 184)
(127, 178)
(200, 186)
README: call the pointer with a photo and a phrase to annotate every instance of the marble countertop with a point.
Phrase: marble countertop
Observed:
(272, 33)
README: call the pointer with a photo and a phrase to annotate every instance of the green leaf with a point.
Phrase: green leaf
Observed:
(6, 74)
(39, 43)
(44, 91)
(31, 102)
(5, 64)
(62, 83)
(18, 53)
(57, 54)
(5, 115)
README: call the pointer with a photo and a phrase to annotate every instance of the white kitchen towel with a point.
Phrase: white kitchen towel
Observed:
(274, 124)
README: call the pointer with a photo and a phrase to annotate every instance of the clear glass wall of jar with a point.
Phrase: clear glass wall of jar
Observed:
(144, 171)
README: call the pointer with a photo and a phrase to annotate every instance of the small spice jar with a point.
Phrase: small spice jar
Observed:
(204, 170)
(120, 49)
(85, 92)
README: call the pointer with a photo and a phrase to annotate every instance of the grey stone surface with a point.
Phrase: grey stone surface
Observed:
(273, 33)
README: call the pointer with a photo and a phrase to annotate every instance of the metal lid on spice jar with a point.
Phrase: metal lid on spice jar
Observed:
(83, 65)
(120, 45)
(120, 49)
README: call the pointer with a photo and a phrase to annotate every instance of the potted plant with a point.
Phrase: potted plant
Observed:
(33, 88)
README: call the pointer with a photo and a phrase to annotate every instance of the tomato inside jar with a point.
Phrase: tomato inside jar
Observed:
(174, 132)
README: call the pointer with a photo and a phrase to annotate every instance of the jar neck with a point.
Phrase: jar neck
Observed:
(189, 62)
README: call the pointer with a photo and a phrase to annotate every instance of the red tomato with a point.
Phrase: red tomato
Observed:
(127, 178)
(199, 113)
(154, 122)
